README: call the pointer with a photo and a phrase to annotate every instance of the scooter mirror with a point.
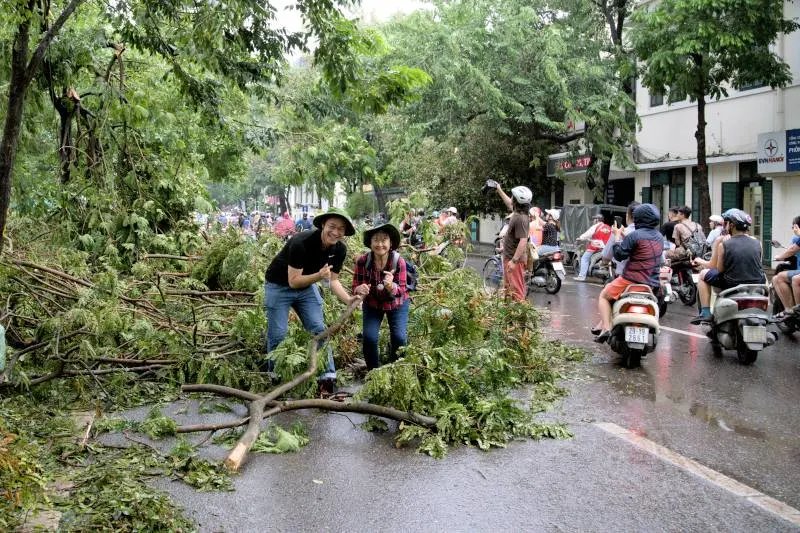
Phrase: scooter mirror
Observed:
(776, 244)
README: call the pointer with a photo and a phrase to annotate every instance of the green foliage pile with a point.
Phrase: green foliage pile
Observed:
(95, 337)
(467, 352)
(103, 488)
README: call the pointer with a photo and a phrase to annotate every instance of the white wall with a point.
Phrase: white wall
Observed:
(489, 226)
(785, 206)
(731, 126)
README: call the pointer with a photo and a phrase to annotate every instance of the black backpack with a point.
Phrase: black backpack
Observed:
(412, 276)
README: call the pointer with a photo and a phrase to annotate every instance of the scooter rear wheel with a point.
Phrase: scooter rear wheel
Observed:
(688, 293)
(746, 355)
(632, 358)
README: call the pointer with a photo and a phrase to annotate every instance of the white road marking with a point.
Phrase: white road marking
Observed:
(736, 488)
(689, 333)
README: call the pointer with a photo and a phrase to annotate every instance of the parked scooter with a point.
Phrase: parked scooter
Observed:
(739, 322)
(792, 321)
(634, 324)
(548, 272)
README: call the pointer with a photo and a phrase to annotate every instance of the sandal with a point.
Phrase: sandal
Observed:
(603, 337)
(780, 317)
(596, 330)
(339, 396)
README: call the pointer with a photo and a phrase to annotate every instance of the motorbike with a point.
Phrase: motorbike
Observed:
(634, 324)
(548, 272)
(599, 268)
(792, 322)
(739, 320)
(684, 281)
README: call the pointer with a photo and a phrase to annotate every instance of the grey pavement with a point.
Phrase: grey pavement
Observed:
(740, 421)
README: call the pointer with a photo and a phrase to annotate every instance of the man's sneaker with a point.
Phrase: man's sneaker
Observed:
(579, 278)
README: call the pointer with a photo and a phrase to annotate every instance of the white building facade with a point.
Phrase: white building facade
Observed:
(752, 147)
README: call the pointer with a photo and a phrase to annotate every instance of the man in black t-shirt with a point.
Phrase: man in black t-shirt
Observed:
(291, 282)
(669, 227)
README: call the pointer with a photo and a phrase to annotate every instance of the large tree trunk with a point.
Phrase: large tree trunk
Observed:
(16, 99)
(379, 196)
(22, 72)
(702, 168)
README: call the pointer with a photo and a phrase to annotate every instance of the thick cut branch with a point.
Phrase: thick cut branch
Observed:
(258, 403)
(363, 408)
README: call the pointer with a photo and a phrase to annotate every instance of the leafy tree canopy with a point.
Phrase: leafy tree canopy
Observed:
(701, 48)
(507, 78)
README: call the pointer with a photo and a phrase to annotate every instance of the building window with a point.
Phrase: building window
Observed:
(656, 99)
(751, 86)
(677, 187)
(676, 95)
(748, 171)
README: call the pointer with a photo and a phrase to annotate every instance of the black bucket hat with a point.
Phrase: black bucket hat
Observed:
(389, 229)
(319, 220)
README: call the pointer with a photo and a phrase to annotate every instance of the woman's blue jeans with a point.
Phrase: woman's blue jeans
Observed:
(371, 327)
(307, 303)
(586, 260)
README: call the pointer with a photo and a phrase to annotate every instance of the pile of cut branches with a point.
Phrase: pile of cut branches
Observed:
(109, 340)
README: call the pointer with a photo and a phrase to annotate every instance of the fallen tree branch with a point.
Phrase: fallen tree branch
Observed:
(53, 272)
(208, 293)
(363, 408)
(176, 257)
(258, 403)
(135, 362)
(110, 370)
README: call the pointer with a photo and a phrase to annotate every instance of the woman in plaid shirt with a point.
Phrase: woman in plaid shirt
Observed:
(383, 287)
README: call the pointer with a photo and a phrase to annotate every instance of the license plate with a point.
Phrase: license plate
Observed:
(637, 335)
(696, 278)
(754, 334)
(559, 268)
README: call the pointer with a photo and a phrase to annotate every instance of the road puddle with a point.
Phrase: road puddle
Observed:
(724, 421)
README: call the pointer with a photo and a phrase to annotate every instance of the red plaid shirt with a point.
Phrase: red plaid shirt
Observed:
(380, 298)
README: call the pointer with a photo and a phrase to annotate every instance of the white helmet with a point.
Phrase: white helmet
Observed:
(522, 194)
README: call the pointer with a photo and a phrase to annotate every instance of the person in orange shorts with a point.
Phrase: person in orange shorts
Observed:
(515, 241)
(643, 248)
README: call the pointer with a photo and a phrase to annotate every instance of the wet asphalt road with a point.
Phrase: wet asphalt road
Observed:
(740, 421)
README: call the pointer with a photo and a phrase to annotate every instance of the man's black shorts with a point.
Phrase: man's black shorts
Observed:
(715, 279)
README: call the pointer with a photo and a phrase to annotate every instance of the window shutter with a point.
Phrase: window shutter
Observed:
(766, 188)
(730, 195)
(646, 197)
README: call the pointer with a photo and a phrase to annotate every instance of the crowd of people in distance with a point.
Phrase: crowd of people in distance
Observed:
(312, 260)
(640, 249)
(256, 223)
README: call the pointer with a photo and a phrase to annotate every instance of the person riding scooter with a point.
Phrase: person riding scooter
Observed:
(597, 235)
(787, 283)
(738, 261)
(644, 248)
